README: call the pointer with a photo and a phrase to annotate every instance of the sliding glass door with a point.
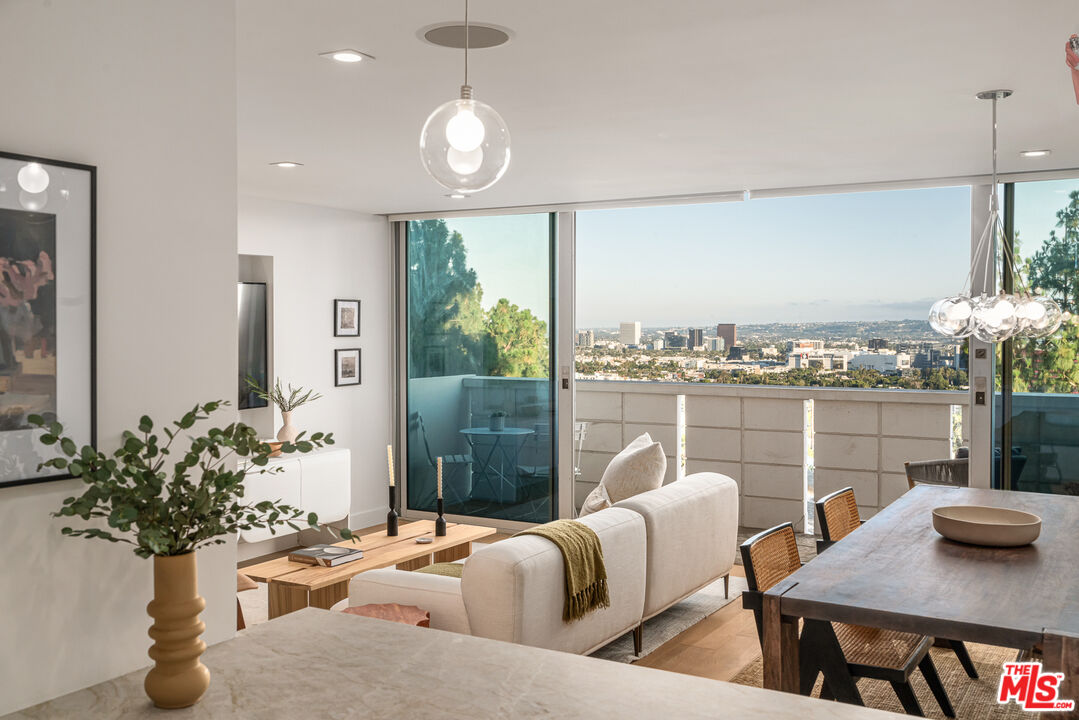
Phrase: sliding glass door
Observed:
(480, 344)
(1037, 409)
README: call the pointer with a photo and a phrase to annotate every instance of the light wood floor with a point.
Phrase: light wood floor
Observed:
(717, 647)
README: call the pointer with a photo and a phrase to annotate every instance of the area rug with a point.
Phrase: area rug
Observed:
(674, 620)
(970, 698)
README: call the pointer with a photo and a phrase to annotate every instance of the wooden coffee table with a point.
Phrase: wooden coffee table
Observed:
(294, 586)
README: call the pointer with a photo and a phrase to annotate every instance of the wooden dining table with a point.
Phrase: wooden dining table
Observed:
(896, 572)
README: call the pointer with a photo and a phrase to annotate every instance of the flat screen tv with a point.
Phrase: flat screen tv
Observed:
(254, 364)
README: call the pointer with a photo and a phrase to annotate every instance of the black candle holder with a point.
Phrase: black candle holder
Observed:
(440, 522)
(391, 516)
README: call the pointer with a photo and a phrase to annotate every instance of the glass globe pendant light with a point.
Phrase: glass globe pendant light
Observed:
(465, 144)
(994, 317)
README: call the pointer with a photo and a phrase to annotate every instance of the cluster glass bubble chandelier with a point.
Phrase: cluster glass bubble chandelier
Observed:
(991, 316)
(465, 144)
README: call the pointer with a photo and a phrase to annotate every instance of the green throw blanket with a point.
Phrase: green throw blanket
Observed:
(449, 569)
(582, 555)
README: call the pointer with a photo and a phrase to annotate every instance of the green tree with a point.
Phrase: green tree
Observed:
(446, 318)
(516, 342)
(1050, 364)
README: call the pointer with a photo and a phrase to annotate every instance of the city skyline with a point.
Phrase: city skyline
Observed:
(856, 257)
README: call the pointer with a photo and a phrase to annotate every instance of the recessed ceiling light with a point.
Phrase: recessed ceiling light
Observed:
(287, 164)
(1034, 153)
(346, 56)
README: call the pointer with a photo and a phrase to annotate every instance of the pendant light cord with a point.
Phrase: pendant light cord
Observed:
(466, 56)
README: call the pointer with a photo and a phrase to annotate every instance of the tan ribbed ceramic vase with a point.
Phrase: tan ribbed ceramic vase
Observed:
(288, 431)
(178, 679)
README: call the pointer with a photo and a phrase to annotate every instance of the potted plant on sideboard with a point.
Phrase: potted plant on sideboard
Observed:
(169, 510)
(285, 403)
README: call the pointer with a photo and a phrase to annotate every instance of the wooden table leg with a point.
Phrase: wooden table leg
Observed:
(422, 561)
(1061, 655)
(327, 597)
(458, 552)
(285, 598)
(780, 644)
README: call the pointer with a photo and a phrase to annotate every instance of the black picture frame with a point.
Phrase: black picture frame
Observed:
(91, 391)
(338, 380)
(338, 306)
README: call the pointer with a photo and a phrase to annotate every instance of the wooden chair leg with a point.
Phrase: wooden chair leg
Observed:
(727, 585)
(906, 696)
(820, 649)
(240, 624)
(638, 639)
(807, 674)
(964, 658)
(932, 679)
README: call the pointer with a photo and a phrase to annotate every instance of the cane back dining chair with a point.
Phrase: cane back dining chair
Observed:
(837, 517)
(839, 651)
(952, 473)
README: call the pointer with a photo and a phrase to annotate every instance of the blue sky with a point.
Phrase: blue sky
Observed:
(1036, 207)
(511, 257)
(858, 256)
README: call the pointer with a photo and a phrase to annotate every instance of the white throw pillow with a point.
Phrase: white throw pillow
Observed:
(638, 468)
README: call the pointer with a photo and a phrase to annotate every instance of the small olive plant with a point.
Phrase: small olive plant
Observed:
(286, 403)
(173, 509)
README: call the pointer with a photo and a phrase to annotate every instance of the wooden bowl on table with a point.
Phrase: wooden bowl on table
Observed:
(983, 525)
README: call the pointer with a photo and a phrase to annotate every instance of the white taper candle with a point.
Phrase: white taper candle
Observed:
(439, 477)
(389, 459)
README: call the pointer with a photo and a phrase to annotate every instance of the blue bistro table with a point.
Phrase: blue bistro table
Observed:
(499, 466)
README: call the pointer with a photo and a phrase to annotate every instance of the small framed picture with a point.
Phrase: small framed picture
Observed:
(346, 367)
(346, 318)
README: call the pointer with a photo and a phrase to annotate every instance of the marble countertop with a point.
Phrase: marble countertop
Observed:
(316, 663)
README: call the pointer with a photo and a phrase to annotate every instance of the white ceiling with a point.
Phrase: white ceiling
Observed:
(612, 99)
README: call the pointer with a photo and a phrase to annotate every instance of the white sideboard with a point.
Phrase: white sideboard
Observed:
(318, 482)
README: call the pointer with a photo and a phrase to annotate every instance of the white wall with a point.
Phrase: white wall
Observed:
(146, 92)
(321, 254)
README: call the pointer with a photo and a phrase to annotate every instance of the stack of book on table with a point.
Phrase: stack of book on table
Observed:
(326, 555)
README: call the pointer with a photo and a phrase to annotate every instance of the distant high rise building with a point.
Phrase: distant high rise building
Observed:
(794, 346)
(586, 338)
(630, 333)
(737, 352)
(878, 344)
(696, 338)
(673, 340)
(657, 344)
(717, 344)
(729, 333)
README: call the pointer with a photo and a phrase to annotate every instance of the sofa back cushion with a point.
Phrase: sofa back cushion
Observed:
(638, 468)
(692, 535)
(514, 590)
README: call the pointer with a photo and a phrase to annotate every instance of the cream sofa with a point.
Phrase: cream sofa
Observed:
(658, 548)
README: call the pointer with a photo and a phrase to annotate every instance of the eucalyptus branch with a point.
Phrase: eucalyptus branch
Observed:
(277, 395)
(172, 513)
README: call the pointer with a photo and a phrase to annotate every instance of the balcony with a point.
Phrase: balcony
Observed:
(781, 444)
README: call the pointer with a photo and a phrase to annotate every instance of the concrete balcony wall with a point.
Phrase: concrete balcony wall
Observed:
(758, 436)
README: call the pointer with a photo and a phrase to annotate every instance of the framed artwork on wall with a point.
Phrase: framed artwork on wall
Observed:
(346, 318)
(346, 367)
(47, 316)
